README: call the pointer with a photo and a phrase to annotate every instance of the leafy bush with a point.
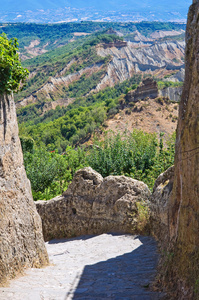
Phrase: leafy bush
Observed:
(165, 84)
(12, 74)
(123, 154)
(137, 155)
(49, 172)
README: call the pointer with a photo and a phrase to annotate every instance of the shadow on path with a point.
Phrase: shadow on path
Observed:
(128, 276)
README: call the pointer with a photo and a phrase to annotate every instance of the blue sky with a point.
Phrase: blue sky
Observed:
(10, 5)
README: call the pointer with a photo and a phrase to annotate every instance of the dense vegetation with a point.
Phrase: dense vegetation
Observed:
(49, 172)
(138, 155)
(165, 84)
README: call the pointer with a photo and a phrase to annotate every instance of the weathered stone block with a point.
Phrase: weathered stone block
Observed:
(93, 205)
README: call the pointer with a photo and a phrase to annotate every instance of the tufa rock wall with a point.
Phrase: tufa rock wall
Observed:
(184, 204)
(176, 210)
(159, 206)
(93, 205)
(21, 239)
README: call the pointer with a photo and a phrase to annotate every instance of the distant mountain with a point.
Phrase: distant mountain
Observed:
(76, 10)
(21, 5)
(155, 5)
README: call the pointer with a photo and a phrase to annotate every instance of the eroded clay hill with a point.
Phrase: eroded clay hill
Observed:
(159, 58)
(111, 64)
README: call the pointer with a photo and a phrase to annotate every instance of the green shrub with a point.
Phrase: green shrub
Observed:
(49, 172)
(137, 155)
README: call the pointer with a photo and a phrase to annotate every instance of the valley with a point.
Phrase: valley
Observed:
(87, 80)
(97, 63)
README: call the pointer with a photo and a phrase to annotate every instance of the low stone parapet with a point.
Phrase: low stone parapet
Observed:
(93, 205)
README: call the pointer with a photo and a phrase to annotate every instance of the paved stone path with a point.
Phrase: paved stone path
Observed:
(118, 267)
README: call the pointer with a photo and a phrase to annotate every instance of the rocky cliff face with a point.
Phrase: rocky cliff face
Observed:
(21, 239)
(173, 93)
(93, 205)
(181, 259)
(148, 89)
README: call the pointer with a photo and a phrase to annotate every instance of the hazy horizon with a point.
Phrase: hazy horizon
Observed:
(46, 11)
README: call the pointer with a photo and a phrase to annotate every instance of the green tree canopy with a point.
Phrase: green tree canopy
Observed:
(12, 74)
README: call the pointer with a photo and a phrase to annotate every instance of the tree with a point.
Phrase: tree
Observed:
(12, 74)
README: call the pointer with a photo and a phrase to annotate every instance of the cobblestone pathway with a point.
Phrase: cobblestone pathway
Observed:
(118, 267)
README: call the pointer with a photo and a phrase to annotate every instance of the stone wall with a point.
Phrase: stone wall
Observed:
(21, 239)
(93, 205)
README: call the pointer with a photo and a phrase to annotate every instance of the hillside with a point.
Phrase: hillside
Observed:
(88, 78)
(99, 60)
(98, 67)
(76, 123)
(35, 39)
(150, 116)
